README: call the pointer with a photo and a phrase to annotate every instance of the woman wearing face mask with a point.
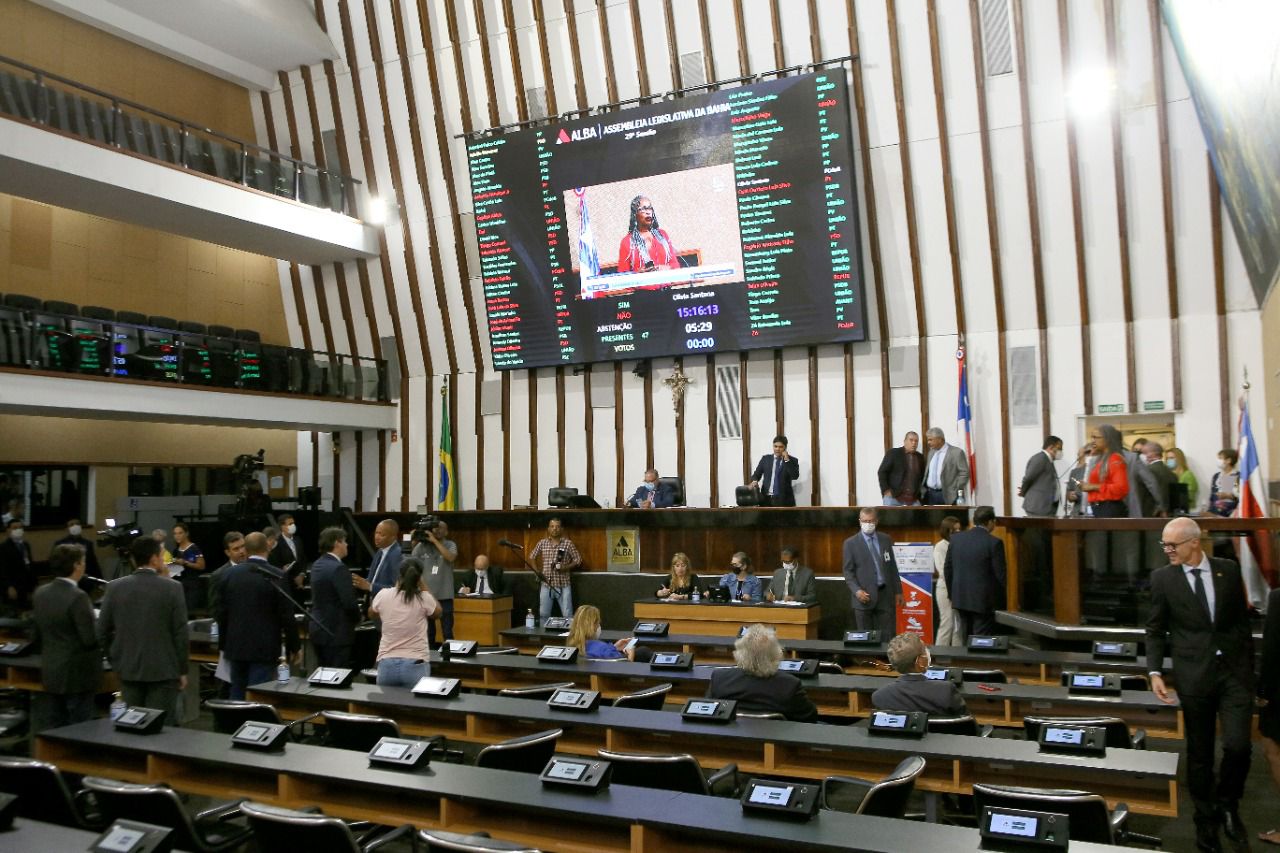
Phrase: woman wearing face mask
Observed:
(742, 584)
(1176, 460)
(947, 634)
(1224, 492)
(1107, 483)
(17, 578)
(584, 634)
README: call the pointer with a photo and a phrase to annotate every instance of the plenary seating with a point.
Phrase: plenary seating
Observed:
(528, 754)
(210, 831)
(886, 797)
(680, 773)
(1118, 735)
(43, 794)
(1087, 816)
(276, 828)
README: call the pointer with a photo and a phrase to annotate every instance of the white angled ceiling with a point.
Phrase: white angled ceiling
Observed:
(244, 41)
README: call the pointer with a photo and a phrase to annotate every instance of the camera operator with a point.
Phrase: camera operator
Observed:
(437, 552)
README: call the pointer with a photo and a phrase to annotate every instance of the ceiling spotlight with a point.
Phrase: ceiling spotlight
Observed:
(1090, 92)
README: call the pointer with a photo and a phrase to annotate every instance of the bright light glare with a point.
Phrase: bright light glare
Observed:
(1090, 92)
(377, 213)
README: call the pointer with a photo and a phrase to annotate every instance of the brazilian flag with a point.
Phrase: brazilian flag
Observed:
(448, 498)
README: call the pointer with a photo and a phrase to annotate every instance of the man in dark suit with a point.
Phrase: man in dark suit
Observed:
(755, 683)
(901, 471)
(652, 494)
(872, 575)
(774, 475)
(975, 573)
(1199, 616)
(143, 627)
(288, 555)
(74, 537)
(911, 691)
(17, 577)
(792, 581)
(334, 609)
(483, 579)
(1039, 489)
(385, 569)
(254, 617)
(71, 662)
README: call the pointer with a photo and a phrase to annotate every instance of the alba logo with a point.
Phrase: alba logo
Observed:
(563, 137)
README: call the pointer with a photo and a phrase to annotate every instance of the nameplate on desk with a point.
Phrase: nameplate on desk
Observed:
(944, 674)
(570, 771)
(558, 654)
(143, 721)
(1015, 828)
(462, 648)
(671, 660)
(984, 643)
(256, 734)
(14, 648)
(798, 667)
(1092, 683)
(710, 710)
(792, 800)
(1118, 651)
(651, 629)
(566, 699)
(900, 723)
(437, 688)
(1090, 740)
(331, 676)
(862, 638)
(400, 753)
(557, 623)
(131, 836)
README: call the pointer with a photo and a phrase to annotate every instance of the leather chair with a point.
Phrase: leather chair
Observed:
(1118, 734)
(885, 798)
(209, 831)
(57, 306)
(650, 698)
(97, 312)
(963, 724)
(250, 335)
(536, 691)
(561, 496)
(1087, 816)
(680, 773)
(676, 484)
(276, 828)
(22, 302)
(133, 318)
(230, 714)
(984, 676)
(222, 331)
(192, 327)
(830, 666)
(528, 754)
(761, 715)
(746, 496)
(357, 732)
(476, 842)
(159, 321)
(43, 794)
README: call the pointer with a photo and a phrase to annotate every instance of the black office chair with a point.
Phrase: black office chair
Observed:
(159, 321)
(22, 302)
(963, 724)
(1131, 681)
(680, 773)
(650, 698)
(761, 715)
(1118, 734)
(746, 496)
(133, 318)
(536, 691)
(57, 306)
(222, 331)
(476, 842)
(676, 484)
(1087, 815)
(97, 312)
(192, 327)
(358, 732)
(276, 828)
(831, 667)
(528, 754)
(561, 496)
(230, 714)
(43, 794)
(250, 335)
(209, 831)
(885, 798)
(984, 676)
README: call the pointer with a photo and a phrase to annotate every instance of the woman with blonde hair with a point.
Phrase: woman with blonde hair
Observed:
(1175, 459)
(681, 583)
(584, 634)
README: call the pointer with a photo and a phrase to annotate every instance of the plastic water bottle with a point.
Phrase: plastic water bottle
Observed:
(118, 707)
(697, 596)
(529, 621)
(282, 672)
(213, 630)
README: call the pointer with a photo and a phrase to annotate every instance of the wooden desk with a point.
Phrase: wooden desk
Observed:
(33, 836)
(481, 617)
(23, 672)
(794, 622)
(1144, 779)
(512, 806)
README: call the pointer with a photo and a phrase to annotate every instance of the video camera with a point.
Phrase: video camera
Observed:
(246, 464)
(118, 536)
(424, 525)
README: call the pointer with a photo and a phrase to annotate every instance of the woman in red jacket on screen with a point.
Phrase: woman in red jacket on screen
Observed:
(646, 247)
(1107, 482)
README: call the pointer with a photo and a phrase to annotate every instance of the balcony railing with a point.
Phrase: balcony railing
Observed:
(47, 100)
(64, 343)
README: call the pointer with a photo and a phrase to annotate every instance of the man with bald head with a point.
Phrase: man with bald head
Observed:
(255, 618)
(1199, 616)
(384, 571)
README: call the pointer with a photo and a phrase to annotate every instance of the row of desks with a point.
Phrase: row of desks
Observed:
(512, 806)
(1145, 779)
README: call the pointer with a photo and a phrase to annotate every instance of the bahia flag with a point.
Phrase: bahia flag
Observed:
(448, 497)
(1255, 551)
(588, 258)
(964, 422)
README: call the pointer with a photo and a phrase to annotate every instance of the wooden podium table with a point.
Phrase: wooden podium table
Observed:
(791, 621)
(481, 617)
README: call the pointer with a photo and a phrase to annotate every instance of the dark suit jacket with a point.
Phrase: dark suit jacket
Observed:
(333, 603)
(253, 617)
(803, 585)
(893, 468)
(388, 572)
(72, 662)
(860, 569)
(16, 571)
(780, 693)
(975, 571)
(143, 627)
(497, 585)
(282, 555)
(913, 692)
(91, 567)
(764, 476)
(663, 496)
(1165, 478)
(1269, 674)
(1040, 492)
(1179, 627)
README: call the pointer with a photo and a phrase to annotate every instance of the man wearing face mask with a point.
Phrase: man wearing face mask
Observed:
(74, 537)
(17, 577)
(287, 553)
(652, 494)
(1039, 490)
(792, 581)
(911, 691)
(872, 575)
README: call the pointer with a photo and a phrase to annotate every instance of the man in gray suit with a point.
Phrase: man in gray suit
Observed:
(1039, 490)
(872, 576)
(792, 581)
(946, 471)
(911, 691)
(71, 663)
(143, 627)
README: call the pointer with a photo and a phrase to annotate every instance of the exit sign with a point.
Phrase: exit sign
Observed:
(1110, 408)
(1153, 406)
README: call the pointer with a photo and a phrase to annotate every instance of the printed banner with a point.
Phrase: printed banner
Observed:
(915, 568)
